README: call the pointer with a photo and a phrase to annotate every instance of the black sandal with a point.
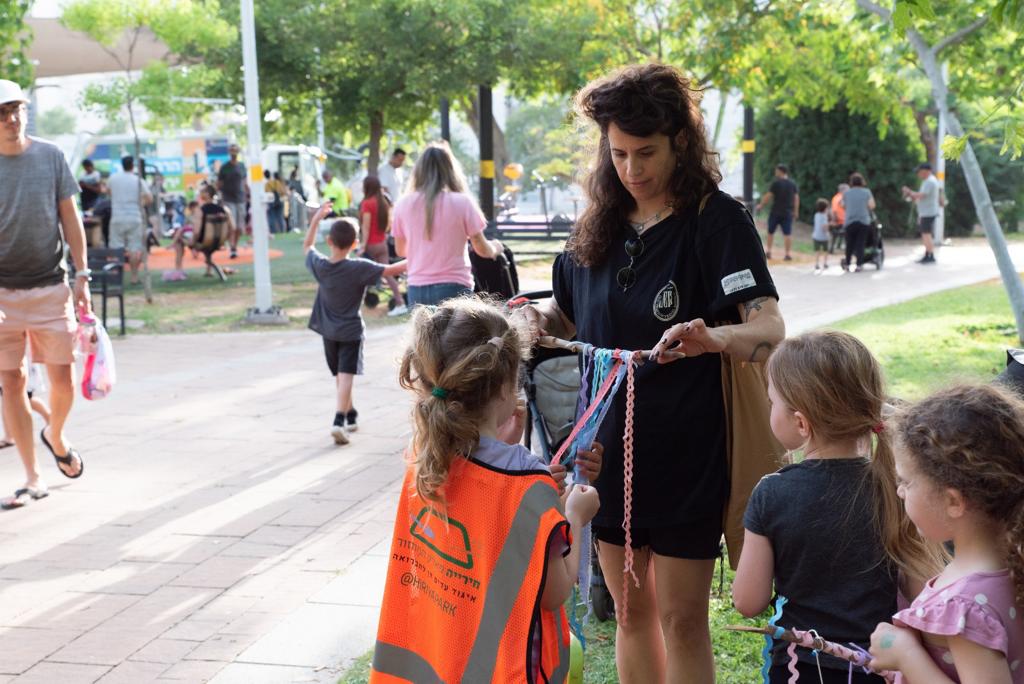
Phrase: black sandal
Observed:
(23, 496)
(67, 459)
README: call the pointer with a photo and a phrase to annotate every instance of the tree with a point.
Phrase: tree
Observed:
(928, 60)
(56, 121)
(14, 41)
(181, 24)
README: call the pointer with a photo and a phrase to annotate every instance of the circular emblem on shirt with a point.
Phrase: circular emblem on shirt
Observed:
(666, 302)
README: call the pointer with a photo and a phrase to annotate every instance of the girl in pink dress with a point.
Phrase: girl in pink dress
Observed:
(960, 471)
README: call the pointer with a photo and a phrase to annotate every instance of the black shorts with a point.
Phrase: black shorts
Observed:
(820, 245)
(808, 672)
(926, 225)
(776, 221)
(344, 357)
(695, 540)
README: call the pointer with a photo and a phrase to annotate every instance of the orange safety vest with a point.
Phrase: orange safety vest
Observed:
(462, 596)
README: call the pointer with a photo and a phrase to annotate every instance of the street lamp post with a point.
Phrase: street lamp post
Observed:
(264, 311)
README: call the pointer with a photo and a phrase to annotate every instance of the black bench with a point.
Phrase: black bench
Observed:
(107, 266)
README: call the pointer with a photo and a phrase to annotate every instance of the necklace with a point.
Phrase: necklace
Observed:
(643, 225)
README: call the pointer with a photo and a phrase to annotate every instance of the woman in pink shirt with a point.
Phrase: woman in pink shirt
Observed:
(431, 225)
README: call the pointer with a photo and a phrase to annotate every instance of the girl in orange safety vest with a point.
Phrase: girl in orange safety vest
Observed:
(481, 560)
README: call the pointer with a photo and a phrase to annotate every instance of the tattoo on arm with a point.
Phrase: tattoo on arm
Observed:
(753, 305)
(766, 346)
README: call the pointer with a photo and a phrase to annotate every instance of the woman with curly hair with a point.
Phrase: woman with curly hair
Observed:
(662, 259)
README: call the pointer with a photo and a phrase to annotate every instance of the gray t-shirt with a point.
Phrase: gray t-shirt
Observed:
(829, 560)
(342, 288)
(928, 205)
(232, 178)
(124, 196)
(856, 202)
(32, 185)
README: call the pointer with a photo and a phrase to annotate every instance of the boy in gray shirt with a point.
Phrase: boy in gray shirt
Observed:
(342, 284)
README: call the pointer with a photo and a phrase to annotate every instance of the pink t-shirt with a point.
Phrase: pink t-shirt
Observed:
(980, 607)
(443, 258)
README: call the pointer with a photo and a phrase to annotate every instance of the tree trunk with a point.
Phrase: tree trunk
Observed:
(376, 134)
(501, 156)
(975, 183)
(927, 136)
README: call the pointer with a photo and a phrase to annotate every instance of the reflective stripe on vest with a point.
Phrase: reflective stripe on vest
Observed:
(510, 571)
(401, 662)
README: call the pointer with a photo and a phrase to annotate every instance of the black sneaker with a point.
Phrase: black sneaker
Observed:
(234, 253)
(350, 420)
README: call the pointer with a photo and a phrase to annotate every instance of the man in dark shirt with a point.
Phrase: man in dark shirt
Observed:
(91, 184)
(785, 207)
(233, 190)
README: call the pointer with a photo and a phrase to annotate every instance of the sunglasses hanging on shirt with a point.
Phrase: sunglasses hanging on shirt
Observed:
(626, 277)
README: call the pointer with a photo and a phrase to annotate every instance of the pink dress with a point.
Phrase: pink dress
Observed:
(979, 607)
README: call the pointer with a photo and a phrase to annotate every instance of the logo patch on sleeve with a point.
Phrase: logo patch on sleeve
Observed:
(741, 280)
(666, 302)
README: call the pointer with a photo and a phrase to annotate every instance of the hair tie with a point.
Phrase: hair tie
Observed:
(498, 342)
(439, 392)
(877, 429)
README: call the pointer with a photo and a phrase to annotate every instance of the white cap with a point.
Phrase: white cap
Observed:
(11, 92)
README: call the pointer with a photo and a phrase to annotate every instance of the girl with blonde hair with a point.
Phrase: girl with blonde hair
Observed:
(827, 535)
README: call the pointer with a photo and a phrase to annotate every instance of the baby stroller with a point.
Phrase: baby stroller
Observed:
(496, 276)
(874, 248)
(552, 384)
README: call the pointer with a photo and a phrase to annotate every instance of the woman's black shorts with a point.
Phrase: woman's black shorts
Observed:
(344, 357)
(695, 540)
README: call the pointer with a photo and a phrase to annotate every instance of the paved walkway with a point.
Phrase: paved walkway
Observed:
(219, 535)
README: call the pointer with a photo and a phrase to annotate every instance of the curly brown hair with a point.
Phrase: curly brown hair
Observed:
(642, 100)
(837, 384)
(471, 351)
(971, 438)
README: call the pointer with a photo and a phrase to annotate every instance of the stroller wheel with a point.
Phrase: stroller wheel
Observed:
(372, 299)
(604, 605)
(879, 259)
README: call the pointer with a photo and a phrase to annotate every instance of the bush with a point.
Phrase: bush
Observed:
(822, 149)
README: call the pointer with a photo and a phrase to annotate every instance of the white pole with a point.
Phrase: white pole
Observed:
(940, 166)
(320, 124)
(264, 310)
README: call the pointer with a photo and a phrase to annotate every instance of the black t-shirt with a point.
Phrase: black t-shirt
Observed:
(829, 560)
(783, 191)
(232, 178)
(685, 272)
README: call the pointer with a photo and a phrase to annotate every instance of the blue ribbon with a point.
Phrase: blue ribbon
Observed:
(766, 653)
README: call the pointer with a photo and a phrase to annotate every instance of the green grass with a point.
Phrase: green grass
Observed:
(923, 344)
(202, 305)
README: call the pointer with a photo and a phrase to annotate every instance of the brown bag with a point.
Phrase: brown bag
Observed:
(751, 449)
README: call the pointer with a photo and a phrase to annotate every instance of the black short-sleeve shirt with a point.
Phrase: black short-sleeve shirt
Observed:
(783, 191)
(829, 560)
(689, 269)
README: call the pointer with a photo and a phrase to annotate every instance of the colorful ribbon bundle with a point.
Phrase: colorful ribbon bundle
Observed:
(853, 654)
(602, 376)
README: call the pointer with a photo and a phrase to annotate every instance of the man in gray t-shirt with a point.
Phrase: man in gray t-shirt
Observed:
(129, 196)
(37, 199)
(928, 207)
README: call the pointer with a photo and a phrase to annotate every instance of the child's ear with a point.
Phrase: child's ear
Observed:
(803, 426)
(954, 503)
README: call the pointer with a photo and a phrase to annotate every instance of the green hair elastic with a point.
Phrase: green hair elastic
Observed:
(439, 392)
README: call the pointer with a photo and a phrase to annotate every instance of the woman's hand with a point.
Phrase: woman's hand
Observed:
(558, 474)
(688, 339)
(588, 462)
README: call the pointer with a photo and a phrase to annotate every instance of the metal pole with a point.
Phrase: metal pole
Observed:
(320, 124)
(748, 147)
(940, 167)
(264, 311)
(486, 154)
(446, 129)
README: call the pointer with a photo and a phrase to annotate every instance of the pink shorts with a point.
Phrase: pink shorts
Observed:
(43, 315)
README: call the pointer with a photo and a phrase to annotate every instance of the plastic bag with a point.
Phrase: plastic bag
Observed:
(99, 375)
